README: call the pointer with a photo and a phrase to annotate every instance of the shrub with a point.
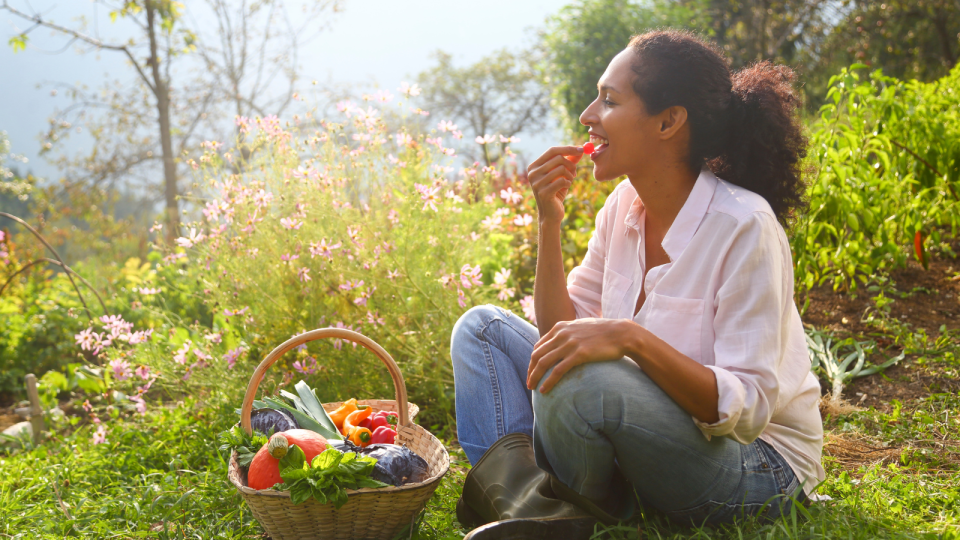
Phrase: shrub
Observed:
(887, 157)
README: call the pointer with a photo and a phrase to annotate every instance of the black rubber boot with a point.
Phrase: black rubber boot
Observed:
(507, 487)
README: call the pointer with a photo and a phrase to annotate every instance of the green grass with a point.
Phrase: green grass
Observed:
(163, 477)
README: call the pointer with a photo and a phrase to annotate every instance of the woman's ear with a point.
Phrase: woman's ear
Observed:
(671, 120)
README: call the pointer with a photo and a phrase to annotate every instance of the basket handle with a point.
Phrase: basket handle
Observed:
(340, 333)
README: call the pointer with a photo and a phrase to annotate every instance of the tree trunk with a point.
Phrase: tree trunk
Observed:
(163, 113)
(946, 40)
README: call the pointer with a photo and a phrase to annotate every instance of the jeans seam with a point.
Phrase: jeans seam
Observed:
(494, 380)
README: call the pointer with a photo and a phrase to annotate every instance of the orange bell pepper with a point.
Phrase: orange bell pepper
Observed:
(354, 418)
(339, 415)
(361, 436)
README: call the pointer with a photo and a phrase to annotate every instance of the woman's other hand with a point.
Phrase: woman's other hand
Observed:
(571, 343)
(550, 177)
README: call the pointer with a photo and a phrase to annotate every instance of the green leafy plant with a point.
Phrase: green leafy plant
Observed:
(246, 446)
(838, 364)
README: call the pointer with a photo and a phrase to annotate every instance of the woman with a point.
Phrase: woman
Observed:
(675, 351)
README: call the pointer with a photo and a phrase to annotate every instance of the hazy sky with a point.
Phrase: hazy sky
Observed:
(370, 41)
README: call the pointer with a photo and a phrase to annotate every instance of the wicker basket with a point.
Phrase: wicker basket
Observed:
(369, 513)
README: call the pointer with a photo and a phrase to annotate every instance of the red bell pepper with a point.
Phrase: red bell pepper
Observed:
(384, 434)
(384, 418)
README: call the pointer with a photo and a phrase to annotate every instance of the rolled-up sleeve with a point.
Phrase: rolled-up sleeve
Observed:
(751, 307)
(585, 282)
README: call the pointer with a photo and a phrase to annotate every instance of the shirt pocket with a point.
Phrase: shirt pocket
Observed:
(615, 288)
(677, 321)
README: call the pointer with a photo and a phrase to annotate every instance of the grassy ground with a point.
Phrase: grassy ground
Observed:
(893, 461)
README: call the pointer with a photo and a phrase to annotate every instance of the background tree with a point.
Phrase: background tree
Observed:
(160, 40)
(577, 44)
(195, 70)
(500, 94)
(909, 39)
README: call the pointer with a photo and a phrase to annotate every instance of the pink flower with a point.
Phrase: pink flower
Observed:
(375, 318)
(461, 297)
(350, 284)
(491, 222)
(243, 123)
(323, 249)
(141, 404)
(523, 221)
(392, 274)
(143, 372)
(457, 134)
(100, 436)
(485, 139)
(303, 274)
(470, 276)
(364, 296)
(230, 313)
(147, 291)
(181, 356)
(430, 198)
(410, 90)
(232, 356)
(190, 241)
(291, 223)
(140, 336)
(510, 196)
(286, 257)
(262, 198)
(215, 338)
(86, 405)
(309, 366)
(446, 125)
(339, 342)
(509, 139)
(393, 217)
(86, 339)
(528, 311)
(354, 235)
(346, 107)
(156, 227)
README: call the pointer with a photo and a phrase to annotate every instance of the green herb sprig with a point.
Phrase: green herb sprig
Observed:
(327, 477)
(245, 445)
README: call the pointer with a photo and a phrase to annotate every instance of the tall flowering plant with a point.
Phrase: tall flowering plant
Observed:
(355, 223)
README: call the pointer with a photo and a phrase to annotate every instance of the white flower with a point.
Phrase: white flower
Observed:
(190, 241)
(410, 90)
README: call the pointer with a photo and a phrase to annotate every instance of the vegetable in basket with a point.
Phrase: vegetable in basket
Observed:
(384, 434)
(327, 476)
(264, 470)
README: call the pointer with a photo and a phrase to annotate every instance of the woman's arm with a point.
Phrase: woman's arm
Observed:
(551, 301)
(689, 383)
(550, 177)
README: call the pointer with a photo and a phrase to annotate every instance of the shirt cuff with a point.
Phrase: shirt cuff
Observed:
(731, 395)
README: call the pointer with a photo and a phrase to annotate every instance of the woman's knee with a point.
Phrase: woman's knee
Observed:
(473, 318)
(598, 392)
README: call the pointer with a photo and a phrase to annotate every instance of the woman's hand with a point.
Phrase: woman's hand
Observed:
(571, 343)
(550, 177)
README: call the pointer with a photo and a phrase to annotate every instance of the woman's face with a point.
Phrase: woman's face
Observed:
(624, 135)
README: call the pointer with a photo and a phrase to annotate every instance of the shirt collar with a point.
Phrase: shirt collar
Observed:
(687, 221)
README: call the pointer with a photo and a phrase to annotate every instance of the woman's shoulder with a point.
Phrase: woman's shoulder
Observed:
(741, 204)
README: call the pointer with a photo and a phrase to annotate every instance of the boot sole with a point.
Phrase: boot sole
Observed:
(578, 528)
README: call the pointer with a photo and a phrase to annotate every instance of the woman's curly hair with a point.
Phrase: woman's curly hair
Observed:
(744, 126)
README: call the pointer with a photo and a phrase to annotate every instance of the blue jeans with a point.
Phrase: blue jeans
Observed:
(605, 415)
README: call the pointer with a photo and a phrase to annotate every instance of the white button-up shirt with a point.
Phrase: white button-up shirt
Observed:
(725, 300)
